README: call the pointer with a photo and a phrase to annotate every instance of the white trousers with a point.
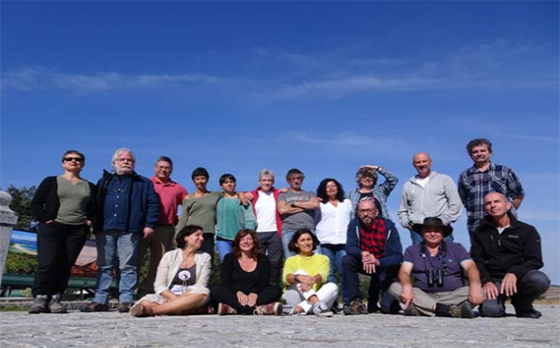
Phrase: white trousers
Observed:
(327, 293)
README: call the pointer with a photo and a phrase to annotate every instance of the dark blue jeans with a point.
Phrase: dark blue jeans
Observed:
(380, 282)
(529, 287)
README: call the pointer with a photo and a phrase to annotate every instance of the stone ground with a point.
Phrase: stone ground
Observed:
(116, 330)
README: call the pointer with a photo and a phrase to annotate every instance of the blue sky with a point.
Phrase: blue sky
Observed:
(322, 86)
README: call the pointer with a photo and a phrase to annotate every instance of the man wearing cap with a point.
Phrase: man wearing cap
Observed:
(366, 177)
(428, 193)
(297, 208)
(373, 248)
(508, 254)
(437, 267)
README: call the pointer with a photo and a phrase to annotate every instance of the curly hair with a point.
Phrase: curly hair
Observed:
(366, 172)
(322, 190)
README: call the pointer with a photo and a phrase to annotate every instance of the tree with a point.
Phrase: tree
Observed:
(21, 204)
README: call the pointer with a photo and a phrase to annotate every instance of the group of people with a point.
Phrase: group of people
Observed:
(305, 242)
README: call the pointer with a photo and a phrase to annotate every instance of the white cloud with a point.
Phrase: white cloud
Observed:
(40, 78)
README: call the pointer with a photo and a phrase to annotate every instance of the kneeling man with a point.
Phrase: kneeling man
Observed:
(437, 267)
(508, 255)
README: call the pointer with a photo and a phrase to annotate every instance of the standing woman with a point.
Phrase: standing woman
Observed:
(199, 209)
(181, 280)
(269, 223)
(245, 275)
(64, 205)
(369, 190)
(305, 274)
(231, 216)
(333, 219)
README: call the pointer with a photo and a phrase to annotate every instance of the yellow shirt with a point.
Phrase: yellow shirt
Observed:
(313, 265)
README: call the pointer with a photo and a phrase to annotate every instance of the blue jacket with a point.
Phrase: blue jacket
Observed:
(143, 203)
(393, 248)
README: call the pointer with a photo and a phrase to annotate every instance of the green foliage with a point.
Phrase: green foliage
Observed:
(21, 264)
(21, 204)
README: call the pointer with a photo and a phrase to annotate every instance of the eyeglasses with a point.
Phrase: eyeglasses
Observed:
(361, 211)
(125, 159)
(70, 159)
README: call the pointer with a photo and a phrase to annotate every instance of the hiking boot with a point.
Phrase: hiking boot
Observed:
(411, 310)
(224, 309)
(530, 314)
(95, 307)
(274, 308)
(464, 310)
(322, 310)
(356, 307)
(124, 307)
(56, 306)
(40, 305)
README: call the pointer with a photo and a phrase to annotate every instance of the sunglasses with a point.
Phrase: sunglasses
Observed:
(70, 159)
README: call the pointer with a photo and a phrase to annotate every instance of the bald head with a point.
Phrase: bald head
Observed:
(423, 164)
(496, 205)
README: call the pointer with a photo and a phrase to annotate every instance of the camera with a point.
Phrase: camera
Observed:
(435, 276)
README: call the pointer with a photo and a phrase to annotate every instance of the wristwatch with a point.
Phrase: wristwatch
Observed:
(293, 204)
(296, 278)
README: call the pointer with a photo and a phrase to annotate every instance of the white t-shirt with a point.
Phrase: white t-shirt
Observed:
(265, 209)
(422, 181)
(333, 223)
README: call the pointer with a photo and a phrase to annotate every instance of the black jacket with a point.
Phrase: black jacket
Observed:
(516, 250)
(45, 203)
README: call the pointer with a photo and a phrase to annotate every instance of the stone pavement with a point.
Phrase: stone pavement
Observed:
(115, 330)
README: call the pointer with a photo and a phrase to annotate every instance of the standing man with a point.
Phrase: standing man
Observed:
(171, 195)
(297, 208)
(437, 268)
(127, 211)
(485, 177)
(508, 255)
(373, 248)
(428, 194)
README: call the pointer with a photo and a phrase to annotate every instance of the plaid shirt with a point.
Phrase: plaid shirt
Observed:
(474, 185)
(372, 238)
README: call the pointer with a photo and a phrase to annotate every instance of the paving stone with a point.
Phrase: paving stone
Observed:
(117, 330)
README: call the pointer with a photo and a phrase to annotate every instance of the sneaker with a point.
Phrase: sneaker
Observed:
(287, 310)
(274, 308)
(124, 307)
(40, 305)
(56, 306)
(322, 310)
(95, 307)
(530, 314)
(224, 309)
(356, 307)
(138, 310)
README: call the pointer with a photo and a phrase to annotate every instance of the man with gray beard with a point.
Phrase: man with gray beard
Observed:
(127, 211)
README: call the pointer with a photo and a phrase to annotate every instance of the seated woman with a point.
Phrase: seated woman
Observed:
(181, 279)
(245, 276)
(305, 275)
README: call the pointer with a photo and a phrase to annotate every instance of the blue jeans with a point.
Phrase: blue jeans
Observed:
(111, 245)
(287, 237)
(335, 253)
(417, 238)
(224, 247)
(380, 282)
